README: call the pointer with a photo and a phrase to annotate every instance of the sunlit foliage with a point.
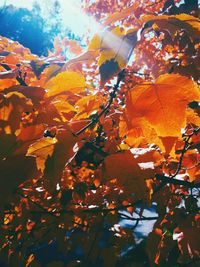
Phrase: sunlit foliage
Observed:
(88, 142)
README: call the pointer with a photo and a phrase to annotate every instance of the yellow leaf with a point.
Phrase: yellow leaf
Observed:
(50, 72)
(65, 81)
(41, 149)
(64, 151)
(95, 43)
(115, 47)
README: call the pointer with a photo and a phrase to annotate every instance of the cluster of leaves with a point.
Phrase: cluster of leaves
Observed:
(87, 142)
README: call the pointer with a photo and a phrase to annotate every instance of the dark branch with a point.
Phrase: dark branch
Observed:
(169, 180)
(126, 217)
(18, 78)
(106, 108)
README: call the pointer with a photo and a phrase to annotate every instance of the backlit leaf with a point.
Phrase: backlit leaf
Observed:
(63, 152)
(163, 103)
(65, 81)
(131, 168)
(115, 48)
(41, 149)
(174, 23)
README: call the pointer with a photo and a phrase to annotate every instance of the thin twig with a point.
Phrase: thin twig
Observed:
(126, 217)
(106, 108)
(170, 180)
(186, 145)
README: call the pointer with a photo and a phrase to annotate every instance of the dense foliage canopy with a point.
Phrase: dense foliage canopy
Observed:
(99, 139)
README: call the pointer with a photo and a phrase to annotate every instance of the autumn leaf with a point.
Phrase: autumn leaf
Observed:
(79, 151)
(14, 170)
(115, 48)
(64, 151)
(163, 103)
(7, 145)
(12, 106)
(65, 81)
(131, 168)
(74, 47)
(36, 94)
(173, 23)
(26, 137)
(124, 13)
(50, 72)
(38, 66)
(6, 83)
(41, 149)
(30, 133)
(88, 105)
(64, 108)
(188, 242)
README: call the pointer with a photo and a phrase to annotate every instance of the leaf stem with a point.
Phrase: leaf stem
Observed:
(121, 75)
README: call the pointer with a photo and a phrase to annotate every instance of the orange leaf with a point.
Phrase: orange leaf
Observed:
(63, 152)
(131, 168)
(174, 23)
(36, 94)
(12, 107)
(163, 104)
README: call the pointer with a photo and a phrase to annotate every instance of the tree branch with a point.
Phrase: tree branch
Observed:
(106, 108)
(126, 217)
(169, 180)
(18, 78)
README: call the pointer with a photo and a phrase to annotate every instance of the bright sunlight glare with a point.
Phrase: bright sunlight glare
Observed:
(75, 19)
(72, 16)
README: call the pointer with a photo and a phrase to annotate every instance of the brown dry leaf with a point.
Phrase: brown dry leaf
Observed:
(65, 81)
(163, 103)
